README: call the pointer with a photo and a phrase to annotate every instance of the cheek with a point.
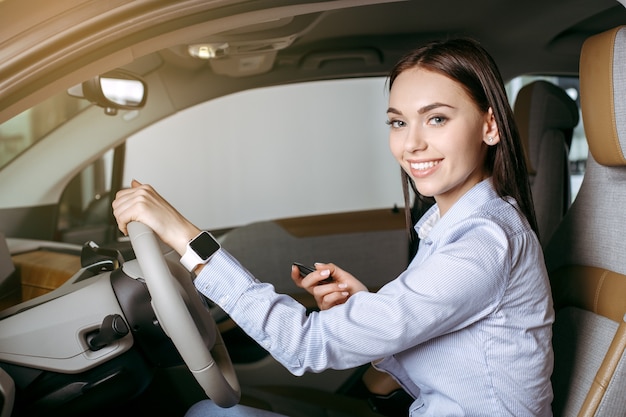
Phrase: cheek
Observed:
(472, 154)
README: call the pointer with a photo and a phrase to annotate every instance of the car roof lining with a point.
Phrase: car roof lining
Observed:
(184, 20)
(41, 75)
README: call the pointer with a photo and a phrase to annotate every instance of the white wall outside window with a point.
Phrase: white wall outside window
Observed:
(276, 152)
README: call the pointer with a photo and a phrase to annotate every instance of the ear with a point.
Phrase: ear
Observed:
(491, 134)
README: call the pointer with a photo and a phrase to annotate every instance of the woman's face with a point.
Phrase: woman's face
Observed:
(438, 135)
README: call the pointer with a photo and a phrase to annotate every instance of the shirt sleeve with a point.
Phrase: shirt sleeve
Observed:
(451, 288)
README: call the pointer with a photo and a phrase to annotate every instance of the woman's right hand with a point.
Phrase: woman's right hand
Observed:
(142, 203)
(327, 295)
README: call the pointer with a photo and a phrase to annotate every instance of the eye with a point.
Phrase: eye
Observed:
(437, 120)
(395, 124)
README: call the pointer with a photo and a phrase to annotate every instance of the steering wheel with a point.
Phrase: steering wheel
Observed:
(198, 341)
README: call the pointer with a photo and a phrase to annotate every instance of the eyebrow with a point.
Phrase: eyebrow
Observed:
(422, 110)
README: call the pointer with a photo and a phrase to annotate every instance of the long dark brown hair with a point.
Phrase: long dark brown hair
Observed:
(467, 62)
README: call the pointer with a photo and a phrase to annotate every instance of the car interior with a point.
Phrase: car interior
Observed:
(582, 257)
(546, 117)
(93, 323)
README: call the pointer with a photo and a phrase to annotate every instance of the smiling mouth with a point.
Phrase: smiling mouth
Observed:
(422, 166)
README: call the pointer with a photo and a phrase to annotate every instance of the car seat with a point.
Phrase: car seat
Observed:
(585, 256)
(546, 117)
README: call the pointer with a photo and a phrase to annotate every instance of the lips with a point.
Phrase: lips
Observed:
(423, 169)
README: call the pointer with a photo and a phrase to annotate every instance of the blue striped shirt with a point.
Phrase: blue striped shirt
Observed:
(466, 329)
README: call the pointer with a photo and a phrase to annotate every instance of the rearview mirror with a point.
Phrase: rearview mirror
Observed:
(115, 90)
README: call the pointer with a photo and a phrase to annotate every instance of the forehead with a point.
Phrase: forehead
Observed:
(423, 87)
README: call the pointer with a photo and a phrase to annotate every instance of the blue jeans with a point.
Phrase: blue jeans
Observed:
(207, 408)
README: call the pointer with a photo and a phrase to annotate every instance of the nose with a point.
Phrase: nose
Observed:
(414, 140)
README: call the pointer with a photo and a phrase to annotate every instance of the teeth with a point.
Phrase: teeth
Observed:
(420, 166)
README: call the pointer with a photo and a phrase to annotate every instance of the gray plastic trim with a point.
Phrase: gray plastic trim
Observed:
(52, 335)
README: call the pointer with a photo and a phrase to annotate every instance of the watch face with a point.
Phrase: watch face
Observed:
(204, 245)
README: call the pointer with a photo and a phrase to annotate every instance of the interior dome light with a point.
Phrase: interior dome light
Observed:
(208, 50)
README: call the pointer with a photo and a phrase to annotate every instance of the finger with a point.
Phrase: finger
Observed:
(315, 278)
(334, 270)
(295, 276)
(136, 200)
(122, 219)
(324, 276)
(128, 206)
(309, 283)
(117, 206)
(121, 196)
(324, 291)
(334, 298)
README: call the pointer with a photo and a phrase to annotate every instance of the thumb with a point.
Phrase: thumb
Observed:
(134, 183)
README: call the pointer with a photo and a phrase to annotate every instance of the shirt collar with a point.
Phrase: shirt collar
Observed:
(463, 208)
(428, 223)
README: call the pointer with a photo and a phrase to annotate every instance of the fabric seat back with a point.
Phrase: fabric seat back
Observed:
(546, 117)
(586, 254)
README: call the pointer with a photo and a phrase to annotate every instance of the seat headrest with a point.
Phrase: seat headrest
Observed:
(603, 95)
(539, 107)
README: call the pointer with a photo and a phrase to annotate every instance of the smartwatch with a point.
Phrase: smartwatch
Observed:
(199, 251)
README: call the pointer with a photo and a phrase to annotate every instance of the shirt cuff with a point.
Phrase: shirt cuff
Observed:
(223, 280)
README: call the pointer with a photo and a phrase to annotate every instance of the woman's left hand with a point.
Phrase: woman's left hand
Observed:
(328, 292)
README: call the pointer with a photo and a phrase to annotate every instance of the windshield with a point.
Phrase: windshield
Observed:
(29, 127)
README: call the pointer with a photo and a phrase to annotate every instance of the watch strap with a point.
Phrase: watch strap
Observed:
(191, 260)
(199, 251)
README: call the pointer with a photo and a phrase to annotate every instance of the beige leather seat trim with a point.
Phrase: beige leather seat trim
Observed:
(597, 98)
(593, 289)
(605, 373)
(602, 292)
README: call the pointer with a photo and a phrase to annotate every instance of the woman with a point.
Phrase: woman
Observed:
(466, 329)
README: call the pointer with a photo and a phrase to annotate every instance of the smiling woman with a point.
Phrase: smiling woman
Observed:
(476, 295)
(264, 123)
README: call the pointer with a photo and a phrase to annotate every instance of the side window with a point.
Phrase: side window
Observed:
(285, 151)
(579, 149)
